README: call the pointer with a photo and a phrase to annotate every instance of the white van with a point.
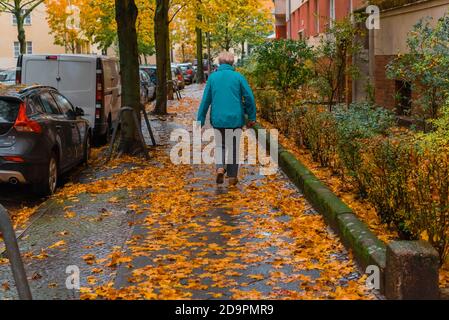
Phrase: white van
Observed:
(90, 82)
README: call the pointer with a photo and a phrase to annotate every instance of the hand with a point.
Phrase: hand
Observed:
(251, 124)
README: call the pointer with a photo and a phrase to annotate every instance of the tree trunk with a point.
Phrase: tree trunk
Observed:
(170, 94)
(161, 36)
(209, 59)
(199, 50)
(21, 32)
(243, 50)
(183, 52)
(126, 16)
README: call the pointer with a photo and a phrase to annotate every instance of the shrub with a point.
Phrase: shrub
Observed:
(384, 170)
(320, 136)
(267, 104)
(357, 124)
(426, 66)
(283, 65)
(428, 188)
(333, 52)
(407, 180)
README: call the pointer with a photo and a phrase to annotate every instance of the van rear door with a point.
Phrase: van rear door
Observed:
(40, 69)
(77, 83)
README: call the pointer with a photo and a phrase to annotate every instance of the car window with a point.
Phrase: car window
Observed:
(8, 110)
(34, 105)
(7, 76)
(49, 103)
(145, 76)
(64, 104)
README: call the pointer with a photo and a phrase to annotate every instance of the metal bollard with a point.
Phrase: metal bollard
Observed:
(15, 259)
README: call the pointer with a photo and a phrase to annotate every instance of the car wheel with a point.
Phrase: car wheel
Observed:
(106, 138)
(48, 185)
(87, 146)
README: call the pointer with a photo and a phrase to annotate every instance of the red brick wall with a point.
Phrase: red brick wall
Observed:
(307, 13)
(385, 89)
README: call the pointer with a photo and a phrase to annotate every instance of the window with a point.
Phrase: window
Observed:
(331, 12)
(49, 104)
(26, 21)
(64, 104)
(29, 48)
(34, 105)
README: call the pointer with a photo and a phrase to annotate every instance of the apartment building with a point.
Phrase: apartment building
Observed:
(308, 19)
(38, 37)
(395, 24)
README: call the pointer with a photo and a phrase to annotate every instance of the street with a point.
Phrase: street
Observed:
(155, 230)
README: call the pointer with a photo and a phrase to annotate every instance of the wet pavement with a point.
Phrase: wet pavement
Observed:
(155, 230)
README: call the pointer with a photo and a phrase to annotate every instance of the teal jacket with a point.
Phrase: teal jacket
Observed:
(231, 98)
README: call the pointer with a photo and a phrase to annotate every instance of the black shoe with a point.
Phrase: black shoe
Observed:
(220, 176)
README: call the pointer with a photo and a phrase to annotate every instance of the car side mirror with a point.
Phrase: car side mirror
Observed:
(79, 112)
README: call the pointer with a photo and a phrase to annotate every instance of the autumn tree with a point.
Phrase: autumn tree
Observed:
(63, 17)
(20, 9)
(161, 34)
(126, 18)
(237, 21)
(183, 35)
(145, 28)
(198, 6)
(98, 22)
(165, 12)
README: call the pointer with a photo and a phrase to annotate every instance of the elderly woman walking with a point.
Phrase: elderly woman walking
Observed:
(230, 98)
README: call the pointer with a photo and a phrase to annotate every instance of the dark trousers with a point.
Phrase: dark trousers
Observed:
(227, 150)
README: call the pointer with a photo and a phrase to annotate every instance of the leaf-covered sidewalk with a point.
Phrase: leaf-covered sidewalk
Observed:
(174, 234)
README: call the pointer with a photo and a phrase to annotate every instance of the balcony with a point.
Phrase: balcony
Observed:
(280, 8)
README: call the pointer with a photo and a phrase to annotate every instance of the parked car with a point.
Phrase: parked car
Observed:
(178, 76)
(8, 77)
(42, 135)
(147, 88)
(205, 67)
(188, 72)
(89, 81)
(151, 71)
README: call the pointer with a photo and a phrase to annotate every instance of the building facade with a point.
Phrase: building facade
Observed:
(38, 37)
(308, 19)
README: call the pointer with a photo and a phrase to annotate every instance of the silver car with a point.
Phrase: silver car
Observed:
(8, 77)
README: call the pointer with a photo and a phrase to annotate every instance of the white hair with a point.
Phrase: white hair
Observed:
(226, 58)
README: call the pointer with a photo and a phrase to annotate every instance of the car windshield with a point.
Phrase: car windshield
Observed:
(8, 110)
